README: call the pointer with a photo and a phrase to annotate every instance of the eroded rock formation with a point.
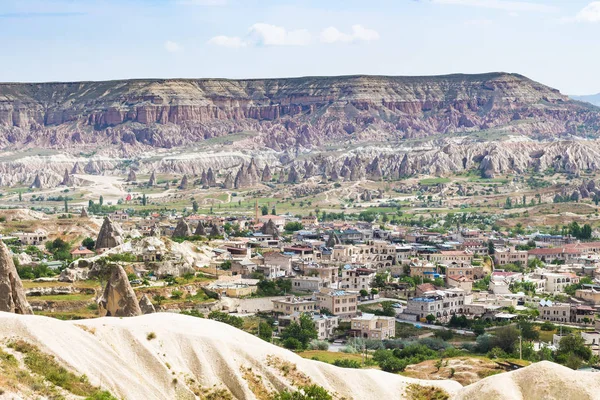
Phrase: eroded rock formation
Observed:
(110, 235)
(118, 299)
(12, 294)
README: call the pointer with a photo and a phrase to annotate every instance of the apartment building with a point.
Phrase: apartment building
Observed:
(324, 324)
(308, 283)
(510, 256)
(371, 326)
(423, 269)
(452, 256)
(293, 304)
(461, 269)
(442, 304)
(357, 278)
(555, 312)
(338, 302)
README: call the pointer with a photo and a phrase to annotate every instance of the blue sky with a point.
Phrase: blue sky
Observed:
(554, 42)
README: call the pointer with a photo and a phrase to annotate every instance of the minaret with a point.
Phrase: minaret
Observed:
(256, 211)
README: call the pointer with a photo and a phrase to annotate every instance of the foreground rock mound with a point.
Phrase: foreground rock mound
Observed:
(543, 380)
(12, 294)
(119, 298)
(172, 356)
(169, 356)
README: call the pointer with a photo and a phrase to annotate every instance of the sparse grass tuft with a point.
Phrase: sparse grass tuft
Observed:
(51, 371)
(151, 336)
(420, 392)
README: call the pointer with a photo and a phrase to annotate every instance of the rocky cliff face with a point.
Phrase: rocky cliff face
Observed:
(304, 112)
(393, 126)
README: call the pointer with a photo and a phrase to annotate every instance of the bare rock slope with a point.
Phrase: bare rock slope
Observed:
(187, 355)
(164, 355)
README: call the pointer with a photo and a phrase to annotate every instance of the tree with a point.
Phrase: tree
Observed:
(430, 318)
(264, 210)
(506, 338)
(273, 211)
(144, 200)
(195, 206)
(527, 331)
(380, 280)
(364, 293)
(20, 196)
(101, 200)
(293, 226)
(66, 205)
(302, 331)
(508, 203)
(572, 351)
(158, 299)
(491, 248)
(88, 243)
(265, 331)
(586, 232)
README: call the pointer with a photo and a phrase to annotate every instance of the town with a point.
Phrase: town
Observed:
(323, 286)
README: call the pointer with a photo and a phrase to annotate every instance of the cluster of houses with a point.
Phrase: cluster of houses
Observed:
(333, 266)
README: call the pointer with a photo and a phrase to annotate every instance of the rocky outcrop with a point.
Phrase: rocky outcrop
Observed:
(110, 235)
(281, 178)
(242, 179)
(293, 176)
(228, 183)
(37, 182)
(266, 174)
(118, 299)
(78, 270)
(182, 229)
(67, 179)
(183, 185)
(12, 294)
(333, 239)
(215, 231)
(210, 178)
(146, 305)
(200, 231)
(131, 177)
(270, 228)
(83, 213)
(152, 180)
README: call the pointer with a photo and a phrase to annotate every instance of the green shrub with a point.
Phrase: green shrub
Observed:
(346, 363)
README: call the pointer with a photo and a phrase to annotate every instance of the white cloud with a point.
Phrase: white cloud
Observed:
(261, 34)
(359, 33)
(227, 41)
(510, 6)
(590, 13)
(173, 47)
(271, 35)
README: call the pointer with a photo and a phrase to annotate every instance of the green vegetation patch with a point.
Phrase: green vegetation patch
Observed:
(47, 367)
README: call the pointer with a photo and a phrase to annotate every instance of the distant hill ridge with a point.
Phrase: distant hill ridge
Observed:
(286, 113)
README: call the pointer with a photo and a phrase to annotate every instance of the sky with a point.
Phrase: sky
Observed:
(555, 42)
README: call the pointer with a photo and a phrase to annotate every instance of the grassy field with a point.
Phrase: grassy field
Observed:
(64, 297)
(329, 356)
(433, 181)
(79, 284)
